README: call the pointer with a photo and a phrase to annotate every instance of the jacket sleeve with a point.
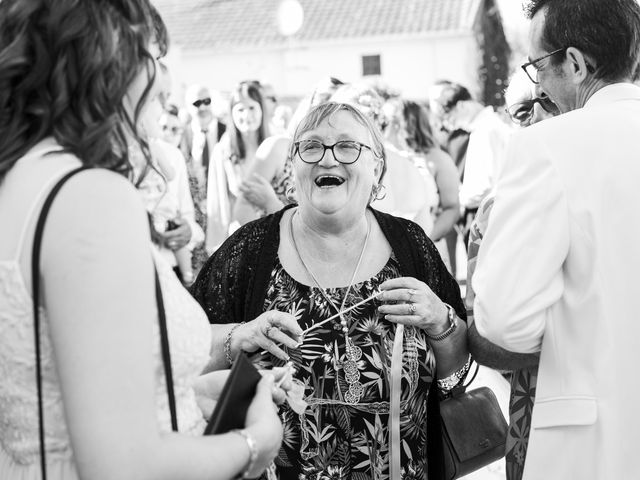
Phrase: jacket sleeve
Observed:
(518, 276)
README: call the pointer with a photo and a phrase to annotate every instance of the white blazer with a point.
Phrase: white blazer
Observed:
(558, 272)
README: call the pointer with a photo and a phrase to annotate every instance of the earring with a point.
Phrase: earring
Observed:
(290, 193)
(379, 192)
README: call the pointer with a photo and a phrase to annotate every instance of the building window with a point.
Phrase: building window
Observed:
(371, 65)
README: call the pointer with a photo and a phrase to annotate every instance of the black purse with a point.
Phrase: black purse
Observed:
(35, 291)
(474, 431)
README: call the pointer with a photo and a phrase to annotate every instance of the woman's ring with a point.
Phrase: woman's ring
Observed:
(412, 292)
(267, 330)
(412, 308)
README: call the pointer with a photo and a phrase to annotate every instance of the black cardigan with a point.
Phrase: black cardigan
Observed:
(232, 285)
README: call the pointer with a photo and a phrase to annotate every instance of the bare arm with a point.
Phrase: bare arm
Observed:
(270, 158)
(446, 176)
(99, 297)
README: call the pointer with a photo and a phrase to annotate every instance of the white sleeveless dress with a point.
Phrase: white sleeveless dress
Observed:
(189, 336)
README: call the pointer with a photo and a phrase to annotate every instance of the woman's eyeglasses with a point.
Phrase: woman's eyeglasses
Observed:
(345, 151)
(202, 101)
(522, 112)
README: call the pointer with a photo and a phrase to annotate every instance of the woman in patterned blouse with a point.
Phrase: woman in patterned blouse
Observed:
(358, 300)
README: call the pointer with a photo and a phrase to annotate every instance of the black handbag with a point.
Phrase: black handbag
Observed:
(474, 431)
(35, 291)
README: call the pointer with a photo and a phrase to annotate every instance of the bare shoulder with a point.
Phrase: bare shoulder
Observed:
(272, 154)
(99, 199)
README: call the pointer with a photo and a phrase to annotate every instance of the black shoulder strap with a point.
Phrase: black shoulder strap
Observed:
(35, 292)
(35, 289)
(166, 354)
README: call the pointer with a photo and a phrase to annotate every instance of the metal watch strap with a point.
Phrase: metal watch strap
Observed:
(451, 315)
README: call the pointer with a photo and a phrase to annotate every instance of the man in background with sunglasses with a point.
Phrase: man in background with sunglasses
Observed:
(557, 271)
(206, 129)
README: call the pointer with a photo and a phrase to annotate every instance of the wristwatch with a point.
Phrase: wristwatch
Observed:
(453, 324)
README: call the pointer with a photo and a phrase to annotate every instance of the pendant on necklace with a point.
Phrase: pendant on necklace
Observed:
(351, 371)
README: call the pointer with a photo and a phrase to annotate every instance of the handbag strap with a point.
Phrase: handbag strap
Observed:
(166, 354)
(35, 291)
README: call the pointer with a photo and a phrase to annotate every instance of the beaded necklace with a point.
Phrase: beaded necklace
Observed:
(353, 352)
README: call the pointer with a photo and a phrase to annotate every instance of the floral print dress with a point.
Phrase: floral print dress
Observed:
(334, 439)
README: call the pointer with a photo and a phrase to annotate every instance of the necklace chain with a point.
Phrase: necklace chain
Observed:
(353, 353)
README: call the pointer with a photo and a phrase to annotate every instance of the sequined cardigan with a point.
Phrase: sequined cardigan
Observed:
(232, 285)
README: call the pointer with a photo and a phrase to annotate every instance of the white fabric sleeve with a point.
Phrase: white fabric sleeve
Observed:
(519, 270)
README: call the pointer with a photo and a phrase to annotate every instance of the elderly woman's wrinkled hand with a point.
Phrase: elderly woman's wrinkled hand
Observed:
(409, 301)
(267, 332)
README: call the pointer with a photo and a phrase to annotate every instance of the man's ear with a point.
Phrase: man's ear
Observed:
(580, 65)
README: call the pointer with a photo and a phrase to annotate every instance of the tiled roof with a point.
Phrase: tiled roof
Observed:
(205, 24)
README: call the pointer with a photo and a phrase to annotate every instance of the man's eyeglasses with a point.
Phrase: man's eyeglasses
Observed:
(522, 112)
(202, 101)
(531, 68)
(345, 151)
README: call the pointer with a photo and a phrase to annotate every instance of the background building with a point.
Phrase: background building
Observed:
(293, 43)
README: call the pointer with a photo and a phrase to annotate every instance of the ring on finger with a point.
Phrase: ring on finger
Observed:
(412, 292)
(267, 330)
(412, 308)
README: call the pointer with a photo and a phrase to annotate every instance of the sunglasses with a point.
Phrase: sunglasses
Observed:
(203, 101)
(522, 112)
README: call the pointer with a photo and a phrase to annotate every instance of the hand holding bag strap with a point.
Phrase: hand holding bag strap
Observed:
(35, 293)
(35, 289)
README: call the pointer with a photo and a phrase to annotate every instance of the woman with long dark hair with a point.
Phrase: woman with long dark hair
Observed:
(75, 77)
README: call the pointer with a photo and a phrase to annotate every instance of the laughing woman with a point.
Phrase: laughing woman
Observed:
(317, 259)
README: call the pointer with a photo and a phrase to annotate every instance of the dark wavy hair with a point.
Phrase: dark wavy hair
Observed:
(65, 69)
(608, 30)
(249, 89)
(419, 133)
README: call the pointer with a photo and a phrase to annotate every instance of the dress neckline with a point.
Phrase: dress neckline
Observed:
(355, 286)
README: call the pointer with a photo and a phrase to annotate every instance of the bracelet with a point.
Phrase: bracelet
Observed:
(446, 384)
(227, 343)
(253, 451)
(451, 314)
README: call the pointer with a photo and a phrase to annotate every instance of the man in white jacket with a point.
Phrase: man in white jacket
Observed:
(557, 272)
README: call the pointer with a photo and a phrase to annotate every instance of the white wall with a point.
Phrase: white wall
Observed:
(409, 65)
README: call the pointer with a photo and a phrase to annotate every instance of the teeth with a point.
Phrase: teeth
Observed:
(329, 181)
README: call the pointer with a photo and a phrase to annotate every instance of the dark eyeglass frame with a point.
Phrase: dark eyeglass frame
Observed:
(526, 106)
(202, 101)
(532, 63)
(330, 147)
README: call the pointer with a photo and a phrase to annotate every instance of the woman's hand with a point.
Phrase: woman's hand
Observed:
(264, 425)
(178, 237)
(259, 192)
(269, 330)
(411, 302)
(208, 387)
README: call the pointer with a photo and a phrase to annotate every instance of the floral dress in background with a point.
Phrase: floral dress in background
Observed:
(333, 439)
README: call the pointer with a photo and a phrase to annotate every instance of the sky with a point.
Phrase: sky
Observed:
(515, 24)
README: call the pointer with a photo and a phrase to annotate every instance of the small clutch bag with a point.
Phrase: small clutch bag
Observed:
(231, 409)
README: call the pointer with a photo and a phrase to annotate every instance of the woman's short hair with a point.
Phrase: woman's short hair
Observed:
(324, 111)
(65, 69)
(607, 30)
(248, 89)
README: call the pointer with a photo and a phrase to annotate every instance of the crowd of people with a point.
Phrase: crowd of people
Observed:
(145, 235)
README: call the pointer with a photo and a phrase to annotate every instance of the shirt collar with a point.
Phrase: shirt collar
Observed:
(614, 92)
